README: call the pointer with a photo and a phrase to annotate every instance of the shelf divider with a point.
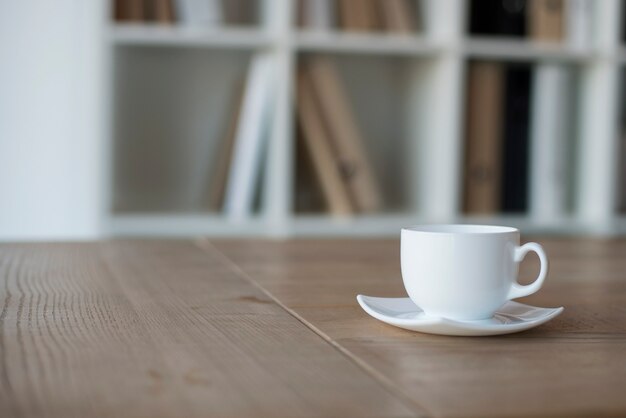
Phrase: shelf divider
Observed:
(597, 163)
(279, 165)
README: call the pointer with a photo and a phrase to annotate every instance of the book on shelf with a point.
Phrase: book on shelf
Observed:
(348, 17)
(565, 21)
(551, 95)
(357, 15)
(318, 143)
(199, 13)
(498, 17)
(497, 144)
(192, 13)
(307, 193)
(240, 12)
(392, 16)
(548, 123)
(516, 139)
(129, 10)
(398, 16)
(621, 149)
(162, 11)
(317, 14)
(621, 181)
(578, 25)
(483, 149)
(546, 20)
(345, 134)
(150, 11)
(250, 135)
(302, 20)
(219, 180)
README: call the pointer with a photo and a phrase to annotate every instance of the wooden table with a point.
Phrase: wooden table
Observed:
(257, 328)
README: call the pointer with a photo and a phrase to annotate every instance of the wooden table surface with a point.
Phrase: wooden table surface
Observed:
(258, 328)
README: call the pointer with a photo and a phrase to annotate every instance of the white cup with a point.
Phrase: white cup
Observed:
(465, 272)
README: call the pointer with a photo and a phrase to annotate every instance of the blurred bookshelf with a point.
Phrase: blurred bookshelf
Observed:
(175, 86)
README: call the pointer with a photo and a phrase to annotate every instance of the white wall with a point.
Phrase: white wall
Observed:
(50, 109)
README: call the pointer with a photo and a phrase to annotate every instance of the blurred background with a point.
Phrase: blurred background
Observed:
(281, 118)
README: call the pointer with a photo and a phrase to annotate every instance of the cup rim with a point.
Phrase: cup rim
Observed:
(460, 229)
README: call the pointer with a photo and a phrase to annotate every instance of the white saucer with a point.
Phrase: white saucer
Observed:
(402, 312)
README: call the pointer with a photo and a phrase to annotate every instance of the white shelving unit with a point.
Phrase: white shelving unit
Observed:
(180, 83)
(155, 35)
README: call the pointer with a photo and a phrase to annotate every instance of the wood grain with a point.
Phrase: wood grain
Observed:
(572, 366)
(148, 329)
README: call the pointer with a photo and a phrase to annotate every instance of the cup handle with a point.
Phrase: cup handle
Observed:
(518, 290)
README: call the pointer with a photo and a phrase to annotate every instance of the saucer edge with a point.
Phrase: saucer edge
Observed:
(444, 326)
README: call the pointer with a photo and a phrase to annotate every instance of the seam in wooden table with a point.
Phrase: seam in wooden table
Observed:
(206, 245)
